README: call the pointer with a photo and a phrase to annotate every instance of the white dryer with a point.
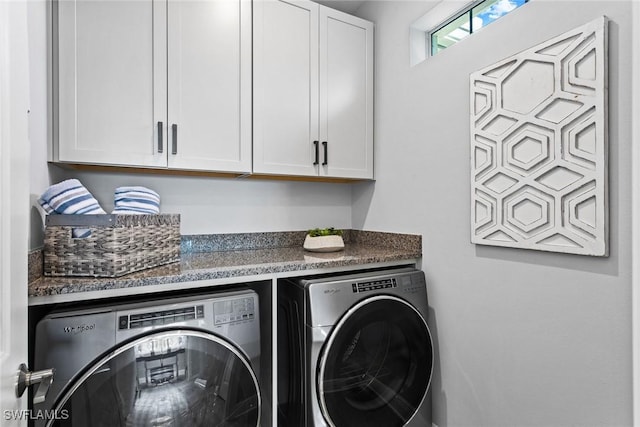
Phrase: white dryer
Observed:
(189, 361)
(355, 351)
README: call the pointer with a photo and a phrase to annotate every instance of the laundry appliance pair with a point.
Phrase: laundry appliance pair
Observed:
(355, 351)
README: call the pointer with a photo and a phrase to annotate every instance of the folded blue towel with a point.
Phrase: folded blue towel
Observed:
(69, 197)
(136, 200)
(45, 206)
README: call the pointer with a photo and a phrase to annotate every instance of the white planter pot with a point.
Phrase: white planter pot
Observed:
(324, 243)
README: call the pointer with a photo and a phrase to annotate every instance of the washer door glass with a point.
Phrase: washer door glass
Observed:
(375, 367)
(171, 378)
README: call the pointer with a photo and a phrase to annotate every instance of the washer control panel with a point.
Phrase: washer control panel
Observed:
(160, 317)
(374, 285)
(233, 310)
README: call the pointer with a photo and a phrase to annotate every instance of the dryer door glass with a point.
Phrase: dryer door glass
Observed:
(376, 365)
(171, 378)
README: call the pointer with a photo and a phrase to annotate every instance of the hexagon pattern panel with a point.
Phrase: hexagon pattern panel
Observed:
(539, 146)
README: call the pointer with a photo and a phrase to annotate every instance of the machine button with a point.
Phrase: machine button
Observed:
(123, 322)
(200, 311)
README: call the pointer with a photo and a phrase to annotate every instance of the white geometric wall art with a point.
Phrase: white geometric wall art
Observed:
(539, 146)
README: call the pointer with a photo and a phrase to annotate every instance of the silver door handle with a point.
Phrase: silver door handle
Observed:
(174, 143)
(160, 134)
(26, 378)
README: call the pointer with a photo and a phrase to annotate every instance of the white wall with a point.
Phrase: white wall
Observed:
(524, 338)
(635, 219)
(222, 205)
(206, 205)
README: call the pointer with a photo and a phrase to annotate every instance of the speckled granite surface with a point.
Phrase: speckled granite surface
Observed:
(410, 242)
(285, 239)
(35, 261)
(365, 248)
(243, 241)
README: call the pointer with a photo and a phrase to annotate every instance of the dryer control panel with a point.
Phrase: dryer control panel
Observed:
(332, 296)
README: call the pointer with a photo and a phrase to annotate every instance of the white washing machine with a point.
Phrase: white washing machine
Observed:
(188, 361)
(355, 351)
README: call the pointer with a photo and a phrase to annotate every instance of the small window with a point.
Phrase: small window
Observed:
(468, 21)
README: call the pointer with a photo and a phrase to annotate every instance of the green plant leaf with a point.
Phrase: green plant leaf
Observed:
(316, 232)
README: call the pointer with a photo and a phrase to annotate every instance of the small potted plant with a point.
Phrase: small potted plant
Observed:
(324, 240)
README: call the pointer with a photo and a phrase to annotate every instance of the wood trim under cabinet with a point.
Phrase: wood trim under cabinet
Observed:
(180, 172)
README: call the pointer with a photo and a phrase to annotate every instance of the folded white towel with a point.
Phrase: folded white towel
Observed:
(136, 200)
(69, 197)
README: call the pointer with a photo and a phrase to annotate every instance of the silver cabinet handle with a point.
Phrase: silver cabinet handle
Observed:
(160, 144)
(26, 378)
(174, 137)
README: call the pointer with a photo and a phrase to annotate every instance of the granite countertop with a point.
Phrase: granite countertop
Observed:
(240, 256)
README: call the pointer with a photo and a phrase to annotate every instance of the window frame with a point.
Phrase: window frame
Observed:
(468, 9)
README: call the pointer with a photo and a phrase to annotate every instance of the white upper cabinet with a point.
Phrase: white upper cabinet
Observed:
(285, 84)
(106, 82)
(313, 91)
(346, 95)
(154, 83)
(168, 84)
(209, 75)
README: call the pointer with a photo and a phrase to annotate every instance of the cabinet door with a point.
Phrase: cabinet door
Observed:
(346, 95)
(209, 84)
(109, 94)
(285, 87)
